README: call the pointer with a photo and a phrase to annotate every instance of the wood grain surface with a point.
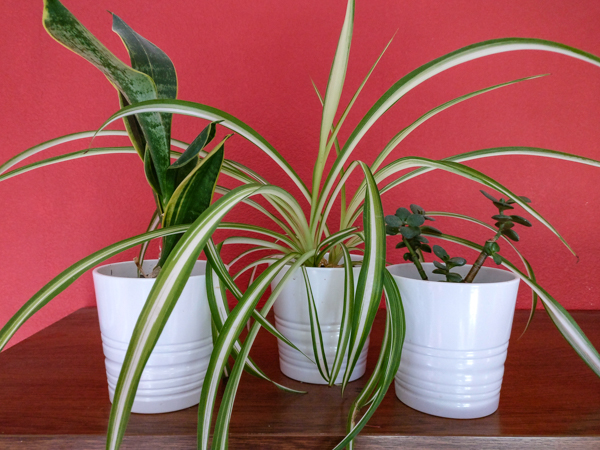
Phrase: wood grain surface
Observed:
(54, 394)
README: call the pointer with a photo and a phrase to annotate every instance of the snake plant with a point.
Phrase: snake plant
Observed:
(299, 240)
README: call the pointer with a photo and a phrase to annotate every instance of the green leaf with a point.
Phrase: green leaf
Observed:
(521, 220)
(501, 218)
(71, 274)
(511, 234)
(400, 245)
(315, 330)
(438, 264)
(497, 258)
(151, 60)
(409, 232)
(440, 253)
(453, 278)
(440, 271)
(415, 220)
(457, 261)
(347, 311)
(393, 221)
(402, 214)
(559, 315)
(192, 196)
(134, 85)
(431, 230)
(416, 209)
(490, 197)
(197, 145)
(370, 280)
(425, 248)
(332, 98)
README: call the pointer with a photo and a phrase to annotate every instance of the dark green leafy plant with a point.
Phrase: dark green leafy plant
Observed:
(447, 265)
(411, 226)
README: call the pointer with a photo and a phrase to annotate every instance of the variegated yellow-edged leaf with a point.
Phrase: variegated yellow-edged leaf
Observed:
(134, 85)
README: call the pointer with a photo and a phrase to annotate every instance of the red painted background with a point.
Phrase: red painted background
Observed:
(255, 60)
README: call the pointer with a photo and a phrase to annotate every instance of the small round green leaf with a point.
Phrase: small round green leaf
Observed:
(454, 278)
(400, 245)
(440, 253)
(416, 209)
(425, 248)
(407, 257)
(497, 258)
(457, 261)
(410, 232)
(402, 214)
(393, 221)
(415, 220)
(439, 265)
(488, 196)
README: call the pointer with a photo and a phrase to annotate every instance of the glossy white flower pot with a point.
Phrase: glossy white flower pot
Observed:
(173, 377)
(456, 340)
(293, 321)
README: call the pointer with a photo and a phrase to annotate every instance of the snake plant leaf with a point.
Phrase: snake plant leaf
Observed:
(197, 145)
(134, 130)
(315, 330)
(370, 280)
(151, 60)
(346, 321)
(152, 178)
(559, 315)
(71, 274)
(192, 196)
(161, 301)
(226, 407)
(133, 84)
(332, 96)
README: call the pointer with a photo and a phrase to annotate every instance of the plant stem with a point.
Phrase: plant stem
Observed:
(415, 259)
(479, 262)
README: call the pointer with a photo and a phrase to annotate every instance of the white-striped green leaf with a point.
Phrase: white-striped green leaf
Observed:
(315, 329)
(387, 363)
(217, 301)
(230, 332)
(70, 275)
(213, 114)
(161, 301)
(346, 322)
(224, 416)
(430, 69)
(559, 315)
(332, 96)
(370, 280)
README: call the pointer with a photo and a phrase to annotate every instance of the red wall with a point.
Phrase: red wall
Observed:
(255, 60)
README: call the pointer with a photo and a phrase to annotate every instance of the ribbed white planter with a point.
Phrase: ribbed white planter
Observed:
(173, 377)
(293, 321)
(456, 340)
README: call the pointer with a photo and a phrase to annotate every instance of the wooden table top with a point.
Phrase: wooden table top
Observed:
(54, 394)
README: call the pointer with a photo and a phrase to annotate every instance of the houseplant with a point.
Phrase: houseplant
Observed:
(306, 239)
(458, 317)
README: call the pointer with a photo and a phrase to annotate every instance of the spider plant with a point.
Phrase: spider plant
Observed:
(301, 239)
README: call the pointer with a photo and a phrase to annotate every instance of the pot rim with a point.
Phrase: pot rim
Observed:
(511, 277)
(98, 271)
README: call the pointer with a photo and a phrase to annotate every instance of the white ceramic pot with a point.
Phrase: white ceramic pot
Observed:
(173, 377)
(293, 321)
(456, 340)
